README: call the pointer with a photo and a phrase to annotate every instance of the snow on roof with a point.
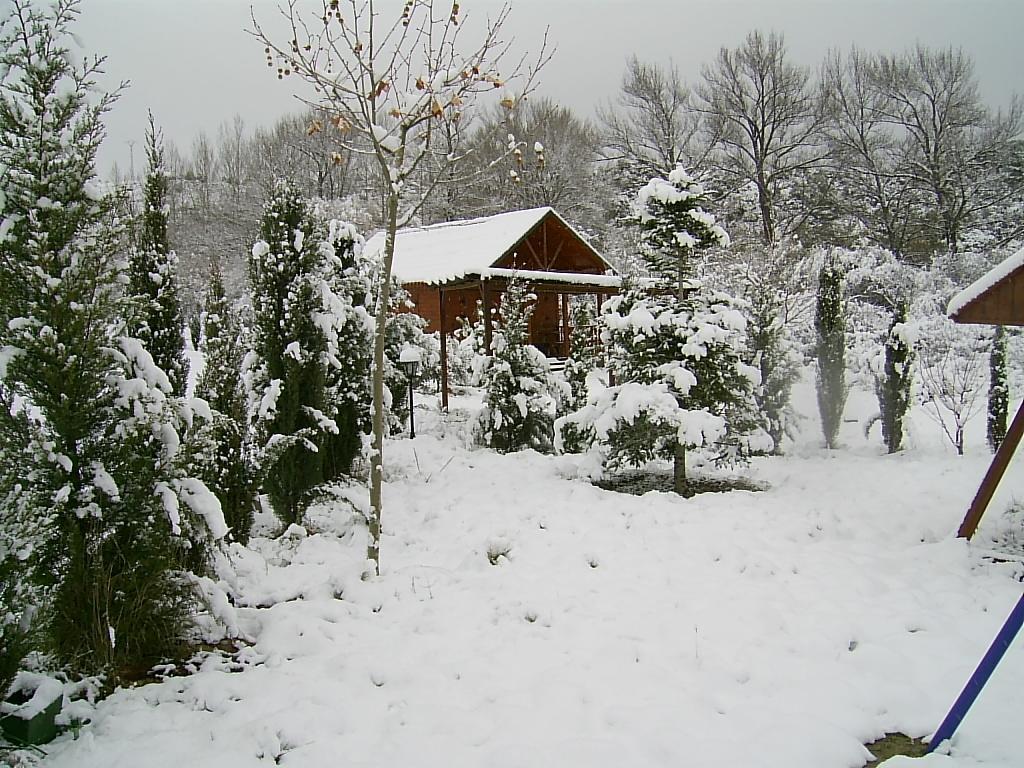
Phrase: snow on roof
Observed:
(440, 253)
(576, 278)
(999, 272)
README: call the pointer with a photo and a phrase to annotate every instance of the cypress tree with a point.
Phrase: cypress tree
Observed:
(90, 469)
(998, 390)
(830, 324)
(220, 447)
(312, 341)
(518, 410)
(154, 272)
(894, 387)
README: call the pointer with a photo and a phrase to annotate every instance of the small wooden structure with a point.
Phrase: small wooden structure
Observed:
(447, 268)
(997, 298)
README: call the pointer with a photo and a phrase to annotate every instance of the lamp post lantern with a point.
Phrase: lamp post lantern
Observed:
(409, 359)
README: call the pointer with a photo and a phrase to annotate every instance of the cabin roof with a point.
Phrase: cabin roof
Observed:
(996, 298)
(451, 251)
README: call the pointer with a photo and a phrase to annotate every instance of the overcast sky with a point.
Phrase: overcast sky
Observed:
(193, 63)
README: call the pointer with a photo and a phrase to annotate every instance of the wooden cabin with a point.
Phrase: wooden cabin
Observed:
(447, 268)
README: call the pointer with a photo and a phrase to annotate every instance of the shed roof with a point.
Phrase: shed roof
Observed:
(996, 298)
(443, 253)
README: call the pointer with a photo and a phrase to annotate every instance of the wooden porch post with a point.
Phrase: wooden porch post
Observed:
(486, 301)
(566, 351)
(995, 473)
(444, 350)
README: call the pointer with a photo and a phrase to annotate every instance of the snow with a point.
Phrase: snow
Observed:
(576, 278)
(1000, 272)
(45, 690)
(451, 251)
(201, 500)
(104, 482)
(409, 354)
(527, 618)
(268, 403)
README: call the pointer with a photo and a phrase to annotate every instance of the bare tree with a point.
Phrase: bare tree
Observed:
(390, 86)
(557, 166)
(202, 172)
(764, 119)
(869, 162)
(232, 156)
(953, 143)
(651, 127)
(952, 368)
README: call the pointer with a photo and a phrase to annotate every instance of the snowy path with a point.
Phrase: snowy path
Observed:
(782, 628)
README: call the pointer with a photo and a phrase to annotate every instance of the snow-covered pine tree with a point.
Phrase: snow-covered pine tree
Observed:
(154, 272)
(674, 226)
(893, 388)
(998, 390)
(519, 401)
(681, 380)
(584, 358)
(830, 324)
(90, 469)
(702, 374)
(311, 351)
(220, 446)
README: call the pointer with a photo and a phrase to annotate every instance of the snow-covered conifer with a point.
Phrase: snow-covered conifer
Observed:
(91, 472)
(405, 329)
(220, 446)
(520, 395)
(830, 324)
(893, 388)
(674, 348)
(154, 272)
(998, 390)
(312, 350)
(674, 226)
(584, 354)
(681, 382)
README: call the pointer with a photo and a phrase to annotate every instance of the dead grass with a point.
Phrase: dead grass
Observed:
(893, 744)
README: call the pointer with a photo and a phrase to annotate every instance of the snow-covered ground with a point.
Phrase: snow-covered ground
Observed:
(526, 618)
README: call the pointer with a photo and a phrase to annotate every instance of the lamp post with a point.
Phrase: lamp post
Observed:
(409, 359)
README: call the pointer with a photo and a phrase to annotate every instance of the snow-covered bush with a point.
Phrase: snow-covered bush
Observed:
(580, 367)
(464, 346)
(520, 395)
(308, 377)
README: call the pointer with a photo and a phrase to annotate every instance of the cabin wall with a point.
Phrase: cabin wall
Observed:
(459, 304)
(1002, 304)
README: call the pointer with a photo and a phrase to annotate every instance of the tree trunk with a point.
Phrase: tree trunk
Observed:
(679, 484)
(377, 447)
